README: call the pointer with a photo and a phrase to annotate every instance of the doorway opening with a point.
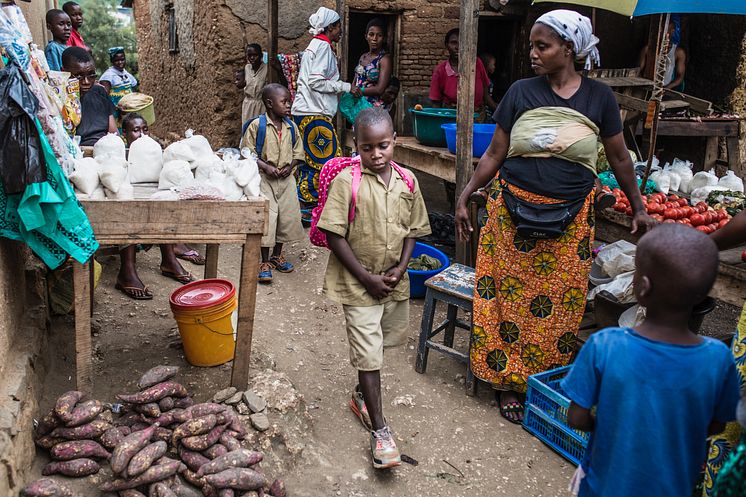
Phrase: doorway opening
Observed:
(356, 44)
(497, 36)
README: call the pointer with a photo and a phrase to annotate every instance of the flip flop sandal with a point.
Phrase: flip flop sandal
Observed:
(192, 256)
(181, 278)
(134, 292)
(512, 408)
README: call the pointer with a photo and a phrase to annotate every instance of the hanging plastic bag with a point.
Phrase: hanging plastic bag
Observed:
(731, 182)
(350, 106)
(146, 160)
(20, 154)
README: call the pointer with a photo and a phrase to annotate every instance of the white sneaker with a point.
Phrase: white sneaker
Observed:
(383, 449)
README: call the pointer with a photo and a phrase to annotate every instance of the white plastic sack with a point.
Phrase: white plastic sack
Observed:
(731, 182)
(673, 176)
(684, 170)
(175, 173)
(98, 193)
(226, 184)
(178, 151)
(126, 192)
(112, 172)
(85, 175)
(254, 187)
(146, 160)
(702, 179)
(662, 181)
(632, 317)
(700, 194)
(617, 258)
(165, 195)
(243, 171)
(111, 145)
(203, 169)
(620, 287)
(199, 145)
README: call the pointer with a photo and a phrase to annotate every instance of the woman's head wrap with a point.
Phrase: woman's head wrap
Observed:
(114, 51)
(320, 19)
(571, 26)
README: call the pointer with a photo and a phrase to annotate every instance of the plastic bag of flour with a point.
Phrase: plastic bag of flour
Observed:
(109, 145)
(146, 160)
(112, 172)
(85, 175)
(126, 192)
(175, 173)
(731, 182)
(178, 151)
(702, 179)
(683, 168)
(203, 169)
(199, 145)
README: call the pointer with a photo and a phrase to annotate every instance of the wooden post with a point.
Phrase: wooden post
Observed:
(344, 48)
(467, 60)
(212, 254)
(272, 32)
(246, 305)
(82, 302)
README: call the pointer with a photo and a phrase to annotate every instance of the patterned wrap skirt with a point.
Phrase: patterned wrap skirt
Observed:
(529, 296)
(320, 144)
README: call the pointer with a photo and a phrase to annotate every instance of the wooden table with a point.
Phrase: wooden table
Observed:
(730, 285)
(195, 221)
(435, 161)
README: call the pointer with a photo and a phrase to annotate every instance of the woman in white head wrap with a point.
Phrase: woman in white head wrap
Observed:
(316, 101)
(532, 283)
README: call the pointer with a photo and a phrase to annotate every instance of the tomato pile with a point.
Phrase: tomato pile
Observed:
(674, 209)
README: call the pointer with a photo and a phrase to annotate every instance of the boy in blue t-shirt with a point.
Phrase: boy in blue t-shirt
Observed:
(658, 389)
(59, 24)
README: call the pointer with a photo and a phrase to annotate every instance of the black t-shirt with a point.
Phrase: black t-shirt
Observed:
(554, 177)
(95, 109)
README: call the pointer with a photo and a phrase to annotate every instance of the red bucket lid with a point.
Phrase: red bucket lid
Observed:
(202, 294)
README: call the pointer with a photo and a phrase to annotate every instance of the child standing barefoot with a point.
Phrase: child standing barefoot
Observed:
(658, 389)
(367, 270)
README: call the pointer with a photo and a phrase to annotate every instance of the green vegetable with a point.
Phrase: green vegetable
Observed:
(424, 263)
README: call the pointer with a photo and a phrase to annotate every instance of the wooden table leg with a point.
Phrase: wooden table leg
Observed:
(711, 153)
(246, 305)
(212, 252)
(81, 290)
(734, 162)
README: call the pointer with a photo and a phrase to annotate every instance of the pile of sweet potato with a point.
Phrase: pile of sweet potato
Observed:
(161, 440)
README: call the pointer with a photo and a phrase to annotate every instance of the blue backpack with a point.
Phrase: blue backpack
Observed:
(261, 133)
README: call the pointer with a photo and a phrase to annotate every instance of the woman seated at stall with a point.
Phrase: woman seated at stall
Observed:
(116, 79)
(444, 84)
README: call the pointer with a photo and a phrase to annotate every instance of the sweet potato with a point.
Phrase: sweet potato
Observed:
(277, 489)
(156, 375)
(229, 442)
(113, 436)
(215, 451)
(128, 447)
(226, 492)
(203, 442)
(150, 409)
(145, 458)
(162, 490)
(131, 492)
(237, 478)
(128, 419)
(75, 468)
(193, 427)
(76, 449)
(168, 418)
(162, 434)
(209, 491)
(46, 424)
(85, 412)
(235, 434)
(88, 431)
(64, 406)
(46, 487)
(166, 404)
(159, 472)
(183, 403)
(199, 410)
(192, 478)
(242, 458)
(139, 426)
(193, 460)
(47, 441)
(155, 393)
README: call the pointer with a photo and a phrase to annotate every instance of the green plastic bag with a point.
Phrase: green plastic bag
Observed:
(350, 106)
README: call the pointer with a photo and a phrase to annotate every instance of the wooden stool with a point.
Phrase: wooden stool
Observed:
(454, 286)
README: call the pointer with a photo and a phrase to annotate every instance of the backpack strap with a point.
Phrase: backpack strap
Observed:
(404, 175)
(291, 125)
(357, 174)
(261, 133)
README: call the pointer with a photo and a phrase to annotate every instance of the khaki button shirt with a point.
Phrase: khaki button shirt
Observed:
(278, 150)
(384, 217)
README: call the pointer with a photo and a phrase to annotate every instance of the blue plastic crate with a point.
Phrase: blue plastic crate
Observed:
(546, 415)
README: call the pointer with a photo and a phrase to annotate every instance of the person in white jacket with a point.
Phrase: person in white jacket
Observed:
(316, 102)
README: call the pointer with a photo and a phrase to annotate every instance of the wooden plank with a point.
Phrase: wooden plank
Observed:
(117, 239)
(82, 304)
(734, 157)
(628, 72)
(670, 127)
(467, 59)
(430, 162)
(212, 253)
(698, 105)
(246, 306)
(620, 82)
(711, 153)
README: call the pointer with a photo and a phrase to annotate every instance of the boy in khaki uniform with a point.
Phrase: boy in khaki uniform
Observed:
(279, 157)
(367, 269)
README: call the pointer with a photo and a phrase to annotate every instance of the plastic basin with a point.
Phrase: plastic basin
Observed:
(482, 137)
(427, 123)
(417, 278)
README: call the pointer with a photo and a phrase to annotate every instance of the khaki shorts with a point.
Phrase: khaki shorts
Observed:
(284, 211)
(371, 328)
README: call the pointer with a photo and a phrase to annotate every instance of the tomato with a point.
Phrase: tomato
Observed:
(683, 202)
(722, 214)
(703, 229)
(713, 227)
(668, 205)
(723, 222)
(708, 217)
(697, 219)
(668, 214)
(673, 197)
(669, 221)
(701, 207)
(686, 221)
(743, 256)
(657, 217)
(618, 207)
(628, 211)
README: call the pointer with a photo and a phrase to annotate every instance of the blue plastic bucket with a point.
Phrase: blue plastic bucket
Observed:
(482, 137)
(417, 278)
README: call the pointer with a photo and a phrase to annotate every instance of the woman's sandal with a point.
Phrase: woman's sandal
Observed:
(192, 256)
(512, 408)
(183, 278)
(134, 292)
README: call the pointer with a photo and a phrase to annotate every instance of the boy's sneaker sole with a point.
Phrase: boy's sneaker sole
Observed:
(388, 465)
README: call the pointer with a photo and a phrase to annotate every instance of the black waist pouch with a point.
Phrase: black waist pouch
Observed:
(540, 220)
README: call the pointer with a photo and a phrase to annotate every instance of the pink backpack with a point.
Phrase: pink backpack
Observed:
(329, 171)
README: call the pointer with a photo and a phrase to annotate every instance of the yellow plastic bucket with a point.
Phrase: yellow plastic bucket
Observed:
(207, 329)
